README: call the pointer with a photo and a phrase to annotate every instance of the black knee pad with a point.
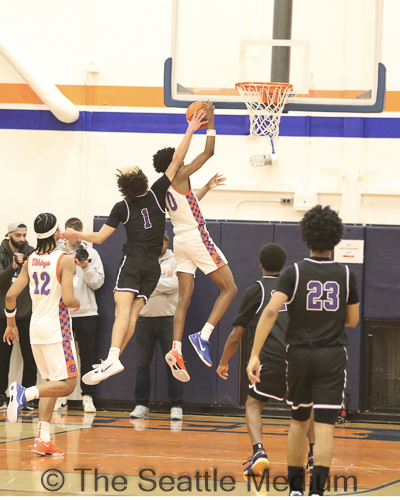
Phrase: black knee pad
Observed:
(302, 413)
(325, 416)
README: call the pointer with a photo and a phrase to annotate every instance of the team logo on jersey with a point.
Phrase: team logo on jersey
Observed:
(40, 262)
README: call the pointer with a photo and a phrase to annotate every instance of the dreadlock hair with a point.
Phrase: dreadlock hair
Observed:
(75, 223)
(131, 182)
(162, 159)
(272, 257)
(321, 229)
(43, 223)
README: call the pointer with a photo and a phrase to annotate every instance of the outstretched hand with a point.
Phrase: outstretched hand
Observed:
(216, 180)
(209, 107)
(198, 120)
(69, 233)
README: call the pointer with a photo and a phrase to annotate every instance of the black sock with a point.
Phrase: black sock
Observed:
(257, 447)
(296, 478)
(318, 480)
(311, 452)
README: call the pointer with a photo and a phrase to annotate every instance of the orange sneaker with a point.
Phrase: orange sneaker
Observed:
(41, 448)
(175, 361)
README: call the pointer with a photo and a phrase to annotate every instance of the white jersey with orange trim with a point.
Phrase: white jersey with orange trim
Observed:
(184, 210)
(50, 322)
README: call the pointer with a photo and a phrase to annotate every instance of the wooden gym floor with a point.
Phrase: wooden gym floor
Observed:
(126, 457)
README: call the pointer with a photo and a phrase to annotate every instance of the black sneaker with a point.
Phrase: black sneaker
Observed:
(257, 464)
(310, 462)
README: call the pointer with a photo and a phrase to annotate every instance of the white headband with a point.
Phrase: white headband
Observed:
(42, 236)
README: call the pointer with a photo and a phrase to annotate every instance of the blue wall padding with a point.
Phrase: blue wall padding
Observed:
(172, 123)
(382, 274)
(240, 242)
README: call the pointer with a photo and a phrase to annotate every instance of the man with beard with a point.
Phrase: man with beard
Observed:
(13, 251)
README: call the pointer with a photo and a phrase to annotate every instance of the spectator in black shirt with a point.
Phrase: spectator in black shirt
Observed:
(321, 296)
(13, 251)
(142, 211)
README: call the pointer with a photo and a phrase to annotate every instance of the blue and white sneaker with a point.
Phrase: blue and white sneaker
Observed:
(17, 401)
(202, 348)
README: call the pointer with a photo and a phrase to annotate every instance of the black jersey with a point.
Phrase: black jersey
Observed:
(319, 290)
(254, 301)
(144, 220)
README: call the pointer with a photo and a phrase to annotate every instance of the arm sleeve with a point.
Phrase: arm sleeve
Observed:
(287, 282)
(353, 292)
(159, 188)
(251, 301)
(93, 274)
(118, 214)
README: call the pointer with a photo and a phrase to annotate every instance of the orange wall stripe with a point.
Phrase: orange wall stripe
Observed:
(149, 97)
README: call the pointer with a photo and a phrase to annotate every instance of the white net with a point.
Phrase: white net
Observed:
(265, 103)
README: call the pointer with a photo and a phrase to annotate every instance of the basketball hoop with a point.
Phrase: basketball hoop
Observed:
(265, 103)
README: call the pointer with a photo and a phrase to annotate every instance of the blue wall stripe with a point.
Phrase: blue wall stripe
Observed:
(165, 123)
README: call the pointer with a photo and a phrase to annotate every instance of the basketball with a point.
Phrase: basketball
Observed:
(195, 106)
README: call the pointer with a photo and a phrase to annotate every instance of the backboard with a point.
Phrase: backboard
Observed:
(333, 52)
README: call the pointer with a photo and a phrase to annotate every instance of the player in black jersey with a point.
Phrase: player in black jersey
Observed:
(142, 211)
(322, 298)
(273, 354)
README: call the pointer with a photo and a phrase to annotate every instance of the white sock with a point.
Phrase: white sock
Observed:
(44, 431)
(31, 393)
(113, 354)
(206, 331)
(177, 345)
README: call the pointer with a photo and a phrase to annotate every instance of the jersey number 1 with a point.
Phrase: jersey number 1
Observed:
(146, 218)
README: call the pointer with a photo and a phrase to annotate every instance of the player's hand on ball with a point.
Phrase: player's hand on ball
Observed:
(253, 369)
(222, 371)
(198, 120)
(209, 107)
(216, 180)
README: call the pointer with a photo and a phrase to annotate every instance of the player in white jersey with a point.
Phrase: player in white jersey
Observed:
(49, 273)
(194, 248)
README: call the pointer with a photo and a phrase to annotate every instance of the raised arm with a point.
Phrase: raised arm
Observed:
(216, 180)
(98, 237)
(180, 152)
(186, 171)
(264, 326)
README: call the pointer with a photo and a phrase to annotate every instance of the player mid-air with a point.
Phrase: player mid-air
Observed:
(142, 211)
(193, 248)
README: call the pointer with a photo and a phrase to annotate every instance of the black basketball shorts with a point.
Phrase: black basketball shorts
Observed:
(316, 378)
(138, 274)
(272, 375)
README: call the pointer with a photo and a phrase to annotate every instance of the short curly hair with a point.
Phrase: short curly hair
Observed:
(131, 182)
(162, 159)
(321, 229)
(272, 257)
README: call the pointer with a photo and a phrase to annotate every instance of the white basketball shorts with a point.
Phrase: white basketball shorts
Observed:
(195, 249)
